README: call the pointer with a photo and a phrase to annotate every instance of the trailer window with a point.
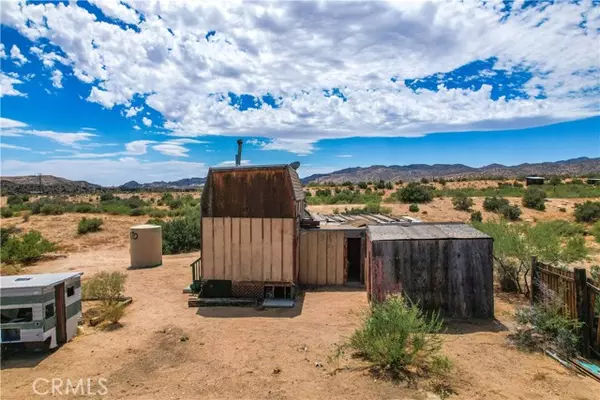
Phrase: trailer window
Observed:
(14, 315)
(70, 291)
(49, 310)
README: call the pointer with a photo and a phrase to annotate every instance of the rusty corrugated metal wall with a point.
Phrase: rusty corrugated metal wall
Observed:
(265, 192)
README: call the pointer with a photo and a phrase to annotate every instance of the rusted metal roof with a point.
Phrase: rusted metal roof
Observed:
(265, 191)
(423, 231)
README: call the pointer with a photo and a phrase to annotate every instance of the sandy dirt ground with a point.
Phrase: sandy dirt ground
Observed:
(166, 350)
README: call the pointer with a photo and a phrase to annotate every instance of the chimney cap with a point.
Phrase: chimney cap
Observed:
(295, 165)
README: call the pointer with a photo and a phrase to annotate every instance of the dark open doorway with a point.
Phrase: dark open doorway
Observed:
(354, 259)
(61, 318)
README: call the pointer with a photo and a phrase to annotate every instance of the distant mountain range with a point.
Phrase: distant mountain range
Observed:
(575, 166)
(187, 183)
(48, 184)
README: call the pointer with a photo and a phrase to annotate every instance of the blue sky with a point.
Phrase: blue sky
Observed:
(111, 91)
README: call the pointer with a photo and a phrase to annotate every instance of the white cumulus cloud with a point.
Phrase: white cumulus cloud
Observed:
(147, 121)
(57, 77)
(17, 57)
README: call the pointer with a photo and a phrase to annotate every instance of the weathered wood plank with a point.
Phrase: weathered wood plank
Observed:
(257, 247)
(313, 259)
(287, 274)
(236, 267)
(227, 248)
(266, 251)
(340, 258)
(322, 257)
(246, 249)
(207, 248)
(218, 248)
(331, 261)
(304, 257)
(277, 249)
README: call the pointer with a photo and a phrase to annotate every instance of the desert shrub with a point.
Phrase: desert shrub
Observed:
(389, 185)
(181, 234)
(577, 181)
(494, 204)
(362, 185)
(476, 216)
(376, 208)
(442, 181)
(113, 312)
(307, 193)
(555, 180)
(175, 204)
(588, 211)
(107, 196)
(399, 182)
(87, 225)
(14, 200)
(510, 212)
(596, 231)
(380, 184)
(85, 208)
(562, 209)
(26, 216)
(396, 336)
(137, 212)
(413, 208)
(134, 202)
(515, 244)
(535, 198)
(167, 197)
(424, 181)
(517, 185)
(323, 192)
(115, 207)
(52, 209)
(545, 325)
(462, 202)
(565, 228)
(157, 214)
(6, 212)
(415, 193)
(23, 249)
(105, 286)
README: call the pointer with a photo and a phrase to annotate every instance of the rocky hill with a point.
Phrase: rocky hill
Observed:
(572, 167)
(186, 183)
(44, 184)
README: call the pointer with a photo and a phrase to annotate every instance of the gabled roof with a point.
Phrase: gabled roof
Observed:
(35, 280)
(422, 231)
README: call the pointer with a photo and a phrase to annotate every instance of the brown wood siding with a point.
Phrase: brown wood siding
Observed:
(248, 249)
(322, 257)
(454, 276)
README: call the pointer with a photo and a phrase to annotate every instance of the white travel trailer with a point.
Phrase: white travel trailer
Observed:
(40, 309)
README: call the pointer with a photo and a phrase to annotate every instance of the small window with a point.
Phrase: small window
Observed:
(15, 315)
(22, 279)
(49, 310)
(70, 291)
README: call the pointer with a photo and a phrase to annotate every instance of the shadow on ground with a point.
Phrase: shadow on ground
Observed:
(252, 312)
(460, 327)
(23, 358)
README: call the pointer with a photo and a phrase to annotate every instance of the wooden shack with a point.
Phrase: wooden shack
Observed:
(534, 180)
(441, 266)
(250, 230)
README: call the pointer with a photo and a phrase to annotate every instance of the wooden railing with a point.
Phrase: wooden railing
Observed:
(579, 295)
(196, 273)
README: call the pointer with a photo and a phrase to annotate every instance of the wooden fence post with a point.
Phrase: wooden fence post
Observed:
(535, 281)
(583, 313)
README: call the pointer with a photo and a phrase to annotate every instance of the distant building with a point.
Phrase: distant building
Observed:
(534, 180)
(593, 181)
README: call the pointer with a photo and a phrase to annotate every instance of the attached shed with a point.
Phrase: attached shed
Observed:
(442, 266)
(40, 309)
(250, 229)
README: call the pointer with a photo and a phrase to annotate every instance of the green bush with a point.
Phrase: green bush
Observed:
(588, 211)
(555, 180)
(25, 249)
(6, 212)
(157, 214)
(461, 202)
(413, 208)
(510, 212)
(107, 196)
(137, 212)
(424, 181)
(85, 208)
(362, 185)
(181, 234)
(535, 198)
(494, 204)
(14, 200)
(175, 204)
(167, 197)
(596, 231)
(398, 337)
(544, 324)
(476, 216)
(415, 193)
(87, 225)
(105, 286)
(52, 209)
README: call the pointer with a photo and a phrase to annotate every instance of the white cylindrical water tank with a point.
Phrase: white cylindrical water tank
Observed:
(146, 246)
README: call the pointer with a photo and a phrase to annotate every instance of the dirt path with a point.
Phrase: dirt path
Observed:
(233, 353)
